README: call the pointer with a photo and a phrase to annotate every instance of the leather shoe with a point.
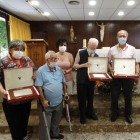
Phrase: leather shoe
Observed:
(114, 118)
(128, 118)
(60, 136)
(82, 121)
(93, 117)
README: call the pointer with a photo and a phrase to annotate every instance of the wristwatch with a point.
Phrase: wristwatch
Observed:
(65, 71)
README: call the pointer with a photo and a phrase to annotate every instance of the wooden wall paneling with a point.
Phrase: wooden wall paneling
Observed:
(40, 35)
(86, 30)
(137, 34)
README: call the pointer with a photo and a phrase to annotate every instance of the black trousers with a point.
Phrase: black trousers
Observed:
(85, 92)
(127, 85)
(17, 118)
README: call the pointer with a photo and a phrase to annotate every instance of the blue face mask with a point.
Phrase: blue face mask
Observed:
(122, 40)
(90, 51)
(53, 64)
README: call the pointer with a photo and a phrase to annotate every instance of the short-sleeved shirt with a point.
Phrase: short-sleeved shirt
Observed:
(51, 83)
(7, 63)
(116, 52)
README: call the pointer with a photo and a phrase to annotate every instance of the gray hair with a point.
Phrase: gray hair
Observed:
(47, 55)
(93, 40)
(124, 31)
(14, 43)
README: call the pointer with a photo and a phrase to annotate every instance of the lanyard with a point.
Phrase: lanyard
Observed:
(12, 59)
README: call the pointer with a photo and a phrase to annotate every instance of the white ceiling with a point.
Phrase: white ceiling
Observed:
(62, 10)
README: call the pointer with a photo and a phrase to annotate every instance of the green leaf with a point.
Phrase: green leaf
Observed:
(3, 35)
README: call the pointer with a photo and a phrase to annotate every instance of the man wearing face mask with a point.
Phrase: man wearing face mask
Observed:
(85, 88)
(122, 50)
(50, 79)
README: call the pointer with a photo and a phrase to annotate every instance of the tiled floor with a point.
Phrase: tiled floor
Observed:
(88, 136)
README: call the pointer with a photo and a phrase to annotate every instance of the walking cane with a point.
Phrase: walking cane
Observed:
(68, 115)
(43, 111)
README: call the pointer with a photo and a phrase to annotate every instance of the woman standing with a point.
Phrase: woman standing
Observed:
(16, 113)
(65, 62)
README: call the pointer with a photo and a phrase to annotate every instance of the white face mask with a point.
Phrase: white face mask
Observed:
(17, 54)
(62, 48)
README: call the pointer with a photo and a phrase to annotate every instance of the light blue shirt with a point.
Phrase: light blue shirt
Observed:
(51, 83)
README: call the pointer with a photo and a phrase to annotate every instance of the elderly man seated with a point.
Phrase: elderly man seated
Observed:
(50, 79)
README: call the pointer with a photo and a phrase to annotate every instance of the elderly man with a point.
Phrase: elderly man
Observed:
(85, 88)
(50, 79)
(122, 50)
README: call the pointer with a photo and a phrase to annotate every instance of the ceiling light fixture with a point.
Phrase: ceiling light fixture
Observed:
(91, 13)
(46, 13)
(130, 2)
(92, 2)
(121, 13)
(74, 2)
(38, 10)
(34, 2)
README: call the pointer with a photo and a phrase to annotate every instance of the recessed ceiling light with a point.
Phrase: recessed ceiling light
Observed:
(130, 2)
(46, 14)
(74, 2)
(91, 13)
(121, 13)
(34, 2)
(92, 2)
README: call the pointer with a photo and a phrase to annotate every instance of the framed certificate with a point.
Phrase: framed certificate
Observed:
(98, 69)
(19, 84)
(125, 68)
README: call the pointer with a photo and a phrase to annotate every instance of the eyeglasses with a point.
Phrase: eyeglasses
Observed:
(53, 59)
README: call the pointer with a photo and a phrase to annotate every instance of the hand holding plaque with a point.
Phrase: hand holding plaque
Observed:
(19, 84)
(125, 68)
(98, 69)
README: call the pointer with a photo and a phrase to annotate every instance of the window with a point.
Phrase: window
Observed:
(3, 38)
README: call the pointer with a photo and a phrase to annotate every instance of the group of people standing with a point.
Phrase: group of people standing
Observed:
(54, 82)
